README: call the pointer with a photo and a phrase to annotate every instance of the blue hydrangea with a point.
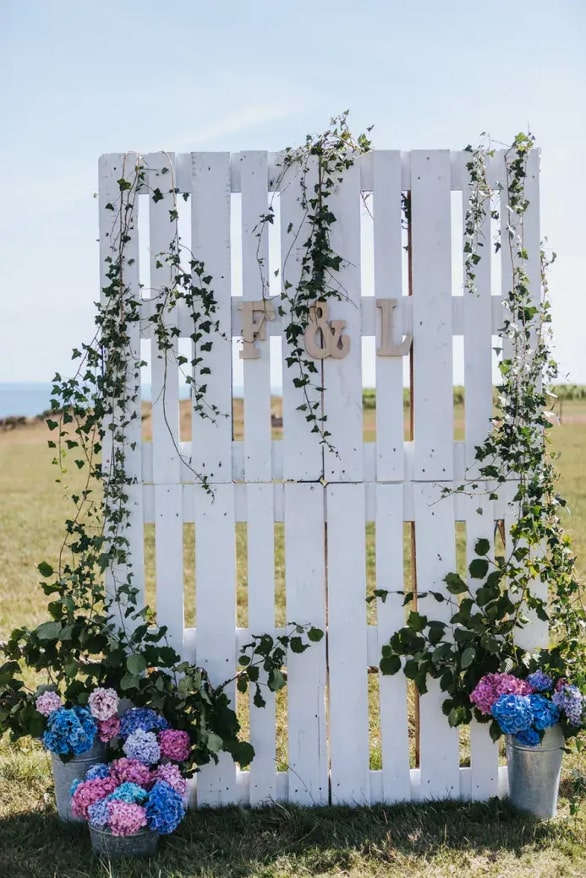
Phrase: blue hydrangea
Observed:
(70, 731)
(540, 682)
(97, 771)
(513, 713)
(545, 712)
(99, 813)
(142, 746)
(144, 718)
(164, 809)
(529, 737)
(129, 792)
(570, 701)
(74, 786)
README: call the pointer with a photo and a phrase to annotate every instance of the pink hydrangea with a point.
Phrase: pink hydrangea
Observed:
(89, 792)
(175, 745)
(108, 728)
(126, 818)
(492, 686)
(103, 703)
(48, 702)
(131, 770)
(171, 775)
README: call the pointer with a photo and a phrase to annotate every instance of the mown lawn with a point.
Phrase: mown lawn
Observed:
(432, 840)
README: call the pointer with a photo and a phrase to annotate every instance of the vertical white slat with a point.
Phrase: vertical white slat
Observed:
(477, 337)
(347, 646)
(388, 285)
(260, 527)
(302, 452)
(210, 243)
(255, 274)
(342, 382)
(165, 407)
(435, 557)
(215, 609)
(506, 221)
(305, 578)
(391, 617)
(112, 168)
(484, 755)
(432, 315)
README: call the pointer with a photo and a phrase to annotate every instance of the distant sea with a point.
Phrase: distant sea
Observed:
(29, 399)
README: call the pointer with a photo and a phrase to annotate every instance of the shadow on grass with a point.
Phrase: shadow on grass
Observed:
(288, 841)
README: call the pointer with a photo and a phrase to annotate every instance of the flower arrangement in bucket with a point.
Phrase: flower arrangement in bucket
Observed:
(76, 736)
(137, 796)
(536, 713)
(525, 708)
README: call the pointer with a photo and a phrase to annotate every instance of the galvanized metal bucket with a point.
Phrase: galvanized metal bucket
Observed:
(64, 773)
(141, 844)
(534, 773)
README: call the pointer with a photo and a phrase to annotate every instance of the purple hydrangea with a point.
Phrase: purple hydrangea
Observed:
(569, 700)
(143, 747)
(99, 813)
(540, 682)
(144, 718)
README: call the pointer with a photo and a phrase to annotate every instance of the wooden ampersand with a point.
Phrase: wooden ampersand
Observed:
(328, 332)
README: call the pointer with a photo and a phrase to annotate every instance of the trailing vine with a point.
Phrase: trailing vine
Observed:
(495, 601)
(320, 163)
(97, 633)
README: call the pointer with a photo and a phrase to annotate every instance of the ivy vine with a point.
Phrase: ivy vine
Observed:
(492, 603)
(320, 163)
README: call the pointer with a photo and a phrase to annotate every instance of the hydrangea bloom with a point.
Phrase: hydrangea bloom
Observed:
(99, 813)
(529, 737)
(175, 745)
(103, 703)
(97, 771)
(108, 728)
(513, 713)
(89, 792)
(143, 718)
(569, 700)
(545, 712)
(131, 770)
(164, 809)
(126, 818)
(128, 792)
(540, 682)
(142, 746)
(171, 775)
(492, 686)
(70, 731)
(47, 702)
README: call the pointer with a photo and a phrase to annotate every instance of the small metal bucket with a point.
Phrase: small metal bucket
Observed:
(141, 844)
(534, 773)
(64, 773)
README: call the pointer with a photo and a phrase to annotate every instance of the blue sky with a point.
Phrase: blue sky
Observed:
(83, 78)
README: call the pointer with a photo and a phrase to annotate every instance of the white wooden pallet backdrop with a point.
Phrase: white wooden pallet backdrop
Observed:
(261, 481)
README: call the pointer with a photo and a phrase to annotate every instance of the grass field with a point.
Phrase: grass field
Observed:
(432, 840)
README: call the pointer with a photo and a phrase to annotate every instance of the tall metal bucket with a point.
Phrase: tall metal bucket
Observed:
(64, 773)
(534, 773)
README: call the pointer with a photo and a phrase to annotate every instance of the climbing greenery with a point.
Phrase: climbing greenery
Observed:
(318, 167)
(97, 633)
(534, 577)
